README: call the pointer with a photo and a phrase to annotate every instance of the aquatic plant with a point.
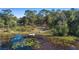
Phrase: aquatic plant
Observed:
(19, 41)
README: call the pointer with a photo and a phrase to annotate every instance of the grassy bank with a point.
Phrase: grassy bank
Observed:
(59, 42)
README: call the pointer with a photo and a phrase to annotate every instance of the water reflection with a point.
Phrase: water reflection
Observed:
(13, 41)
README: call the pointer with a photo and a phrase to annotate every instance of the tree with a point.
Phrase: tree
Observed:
(1, 22)
(30, 16)
(75, 24)
(8, 17)
(71, 21)
(22, 21)
(45, 18)
(60, 25)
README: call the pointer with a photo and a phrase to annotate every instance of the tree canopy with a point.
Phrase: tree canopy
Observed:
(61, 22)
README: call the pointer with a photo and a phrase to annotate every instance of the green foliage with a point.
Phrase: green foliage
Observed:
(60, 30)
(7, 18)
(30, 42)
(30, 16)
(20, 28)
(27, 42)
(61, 22)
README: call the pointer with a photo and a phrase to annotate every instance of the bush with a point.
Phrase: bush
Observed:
(26, 42)
(60, 31)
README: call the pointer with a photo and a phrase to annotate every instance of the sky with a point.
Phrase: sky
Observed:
(19, 12)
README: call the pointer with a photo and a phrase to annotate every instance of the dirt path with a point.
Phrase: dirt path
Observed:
(45, 44)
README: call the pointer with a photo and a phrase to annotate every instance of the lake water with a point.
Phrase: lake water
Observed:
(13, 41)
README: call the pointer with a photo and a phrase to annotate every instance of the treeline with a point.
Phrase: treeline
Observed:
(61, 22)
